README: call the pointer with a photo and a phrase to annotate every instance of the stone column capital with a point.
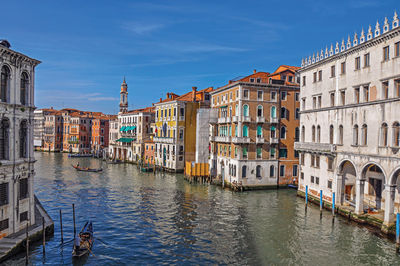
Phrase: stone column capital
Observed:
(389, 187)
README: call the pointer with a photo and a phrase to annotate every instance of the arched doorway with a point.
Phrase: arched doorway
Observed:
(392, 197)
(347, 183)
(375, 180)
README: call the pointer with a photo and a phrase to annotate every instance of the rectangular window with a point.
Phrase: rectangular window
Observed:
(296, 153)
(330, 163)
(317, 161)
(283, 95)
(304, 80)
(3, 224)
(312, 163)
(386, 53)
(273, 95)
(319, 101)
(295, 169)
(23, 216)
(23, 188)
(397, 49)
(312, 179)
(343, 68)
(245, 94)
(244, 149)
(329, 184)
(356, 95)
(282, 170)
(357, 63)
(366, 60)
(385, 89)
(302, 159)
(314, 102)
(260, 95)
(366, 93)
(303, 103)
(272, 152)
(302, 176)
(320, 75)
(259, 152)
(333, 71)
(317, 180)
(182, 111)
(343, 97)
(297, 96)
(315, 77)
(332, 95)
(283, 153)
(3, 194)
(397, 88)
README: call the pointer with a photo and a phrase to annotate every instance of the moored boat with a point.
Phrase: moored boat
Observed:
(86, 169)
(83, 243)
(77, 155)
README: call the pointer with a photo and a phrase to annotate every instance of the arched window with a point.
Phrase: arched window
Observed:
(258, 171)
(313, 133)
(236, 109)
(273, 112)
(24, 89)
(341, 135)
(331, 134)
(283, 132)
(303, 134)
(245, 110)
(244, 171)
(296, 134)
(4, 139)
(245, 131)
(273, 132)
(355, 135)
(318, 134)
(4, 83)
(23, 139)
(384, 135)
(364, 135)
(271, 171)
(396, 134)
(259, 131)
(259, 111)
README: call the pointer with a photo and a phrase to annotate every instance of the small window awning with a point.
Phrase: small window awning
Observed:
(224, 106)
(122, 129)
(125, 140)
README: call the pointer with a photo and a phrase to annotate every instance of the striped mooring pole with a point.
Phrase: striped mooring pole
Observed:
(320, 203)
(398, 232)
(306, 202)
(333, 204)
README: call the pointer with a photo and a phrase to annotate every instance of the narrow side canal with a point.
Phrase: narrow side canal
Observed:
(162, 219)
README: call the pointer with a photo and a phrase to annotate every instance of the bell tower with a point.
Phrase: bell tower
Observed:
(123, 103)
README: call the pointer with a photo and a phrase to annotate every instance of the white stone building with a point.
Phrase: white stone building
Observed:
(350, 122)
(16, 140)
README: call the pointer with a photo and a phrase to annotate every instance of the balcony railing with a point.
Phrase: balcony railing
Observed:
(273, 120)
(273, 140)
(163, 140)
(260, 140)
(241, 140)
(221, 120)
(235, 118)
(260, 119)
(318, 147)
(222, 139)
(246, 118)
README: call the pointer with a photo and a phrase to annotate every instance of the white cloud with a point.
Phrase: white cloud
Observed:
(142, 28)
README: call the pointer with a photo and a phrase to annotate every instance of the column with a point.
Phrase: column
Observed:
(338, 189)
(360, 196)
(389, 204)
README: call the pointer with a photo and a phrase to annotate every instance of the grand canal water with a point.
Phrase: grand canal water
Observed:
(162, 219)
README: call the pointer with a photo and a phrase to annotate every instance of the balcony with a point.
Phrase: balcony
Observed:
(241, 140)
(212, 138)
(315, 147)
(260, 140)
(222, 120)
(222, 139)
(273, 120)
(235, 118)
(260, 119)
(163, 140)
(273, 140)
(246, 119)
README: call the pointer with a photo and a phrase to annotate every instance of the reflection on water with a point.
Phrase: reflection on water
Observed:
(161, 219)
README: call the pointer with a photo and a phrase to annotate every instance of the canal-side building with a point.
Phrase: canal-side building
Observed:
(100, 134)
(252, 141)
(38, 129)
(53, 130)
(350, 122)
(175, 128)
(17, 202)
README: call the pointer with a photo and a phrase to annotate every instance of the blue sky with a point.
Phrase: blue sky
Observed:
(87, 47)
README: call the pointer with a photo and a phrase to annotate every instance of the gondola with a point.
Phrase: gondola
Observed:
(77, 155)
(83, 243)
(83, 169)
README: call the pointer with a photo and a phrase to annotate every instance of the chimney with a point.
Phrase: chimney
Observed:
(160, 99)
(167, 95)
(194, 90)
(254, 71)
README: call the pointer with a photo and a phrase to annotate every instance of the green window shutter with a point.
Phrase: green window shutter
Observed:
(259, 130)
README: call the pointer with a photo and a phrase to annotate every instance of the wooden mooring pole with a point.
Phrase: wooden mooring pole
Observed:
(44, 237)
(27, 244)
(61, 227)
(320, 204)
(73, 217)
(398, 233)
